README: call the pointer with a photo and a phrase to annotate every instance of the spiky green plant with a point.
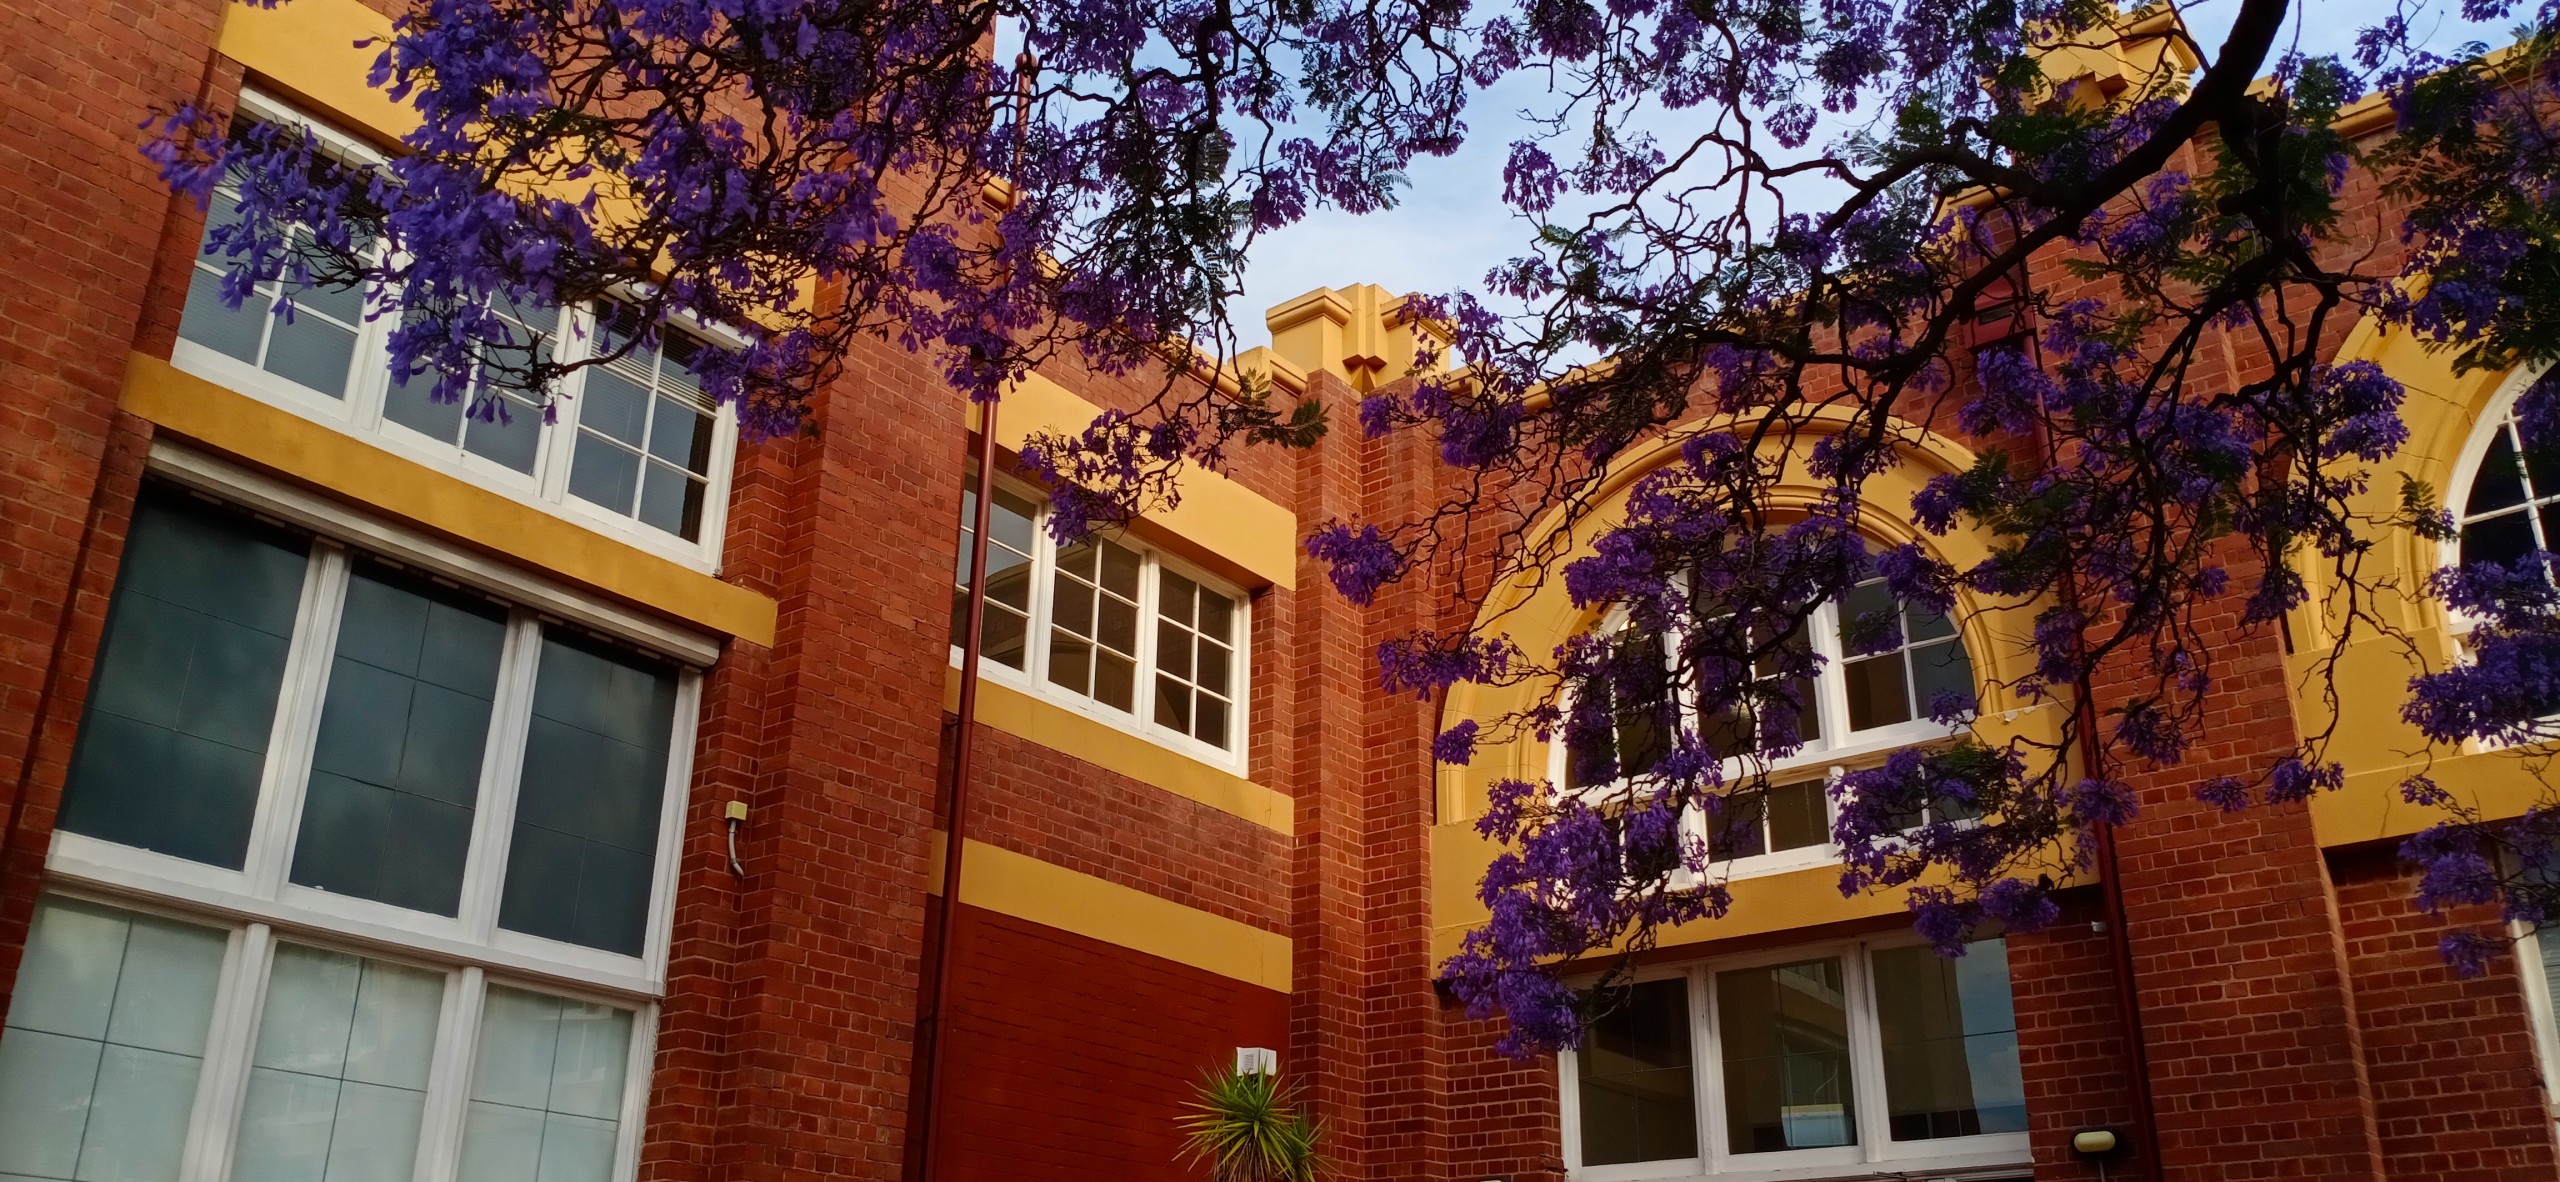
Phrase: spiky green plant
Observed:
(1247, 1128)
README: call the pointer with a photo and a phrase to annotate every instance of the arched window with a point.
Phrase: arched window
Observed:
(1864, 699)
(2511, 506)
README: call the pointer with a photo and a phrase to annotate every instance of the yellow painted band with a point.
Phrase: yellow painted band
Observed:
(1105, 746)
(1025, 887)
(1220, 524)
(309, 49)
(227, 420)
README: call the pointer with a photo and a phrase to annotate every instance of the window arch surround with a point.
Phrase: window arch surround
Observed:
(1536, 614)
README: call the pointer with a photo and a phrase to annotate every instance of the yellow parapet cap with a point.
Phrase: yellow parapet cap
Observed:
(2145, 50)
(1362, 334)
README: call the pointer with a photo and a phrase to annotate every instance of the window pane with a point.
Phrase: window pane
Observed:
(2500, 483)
(1878, 695)
(1173, 649)
(1868, 620)
(1209, 722)
(396, 773)
(173, 743)
(312, 351)
(546, 1089)
(1634, 1082)
(1786, 1057)
(412, 404)
(106, 1035)
(337, 1082)
(671, 501)
(603, 473)
(1798, 815)
(615, 405)
(1176, 598)
(1740, 827)
(1115, 681)
(2502, 539)
(1217, 617)
(681, 435)
(231, 331)
(1950, 1043)
(1942, 671)
(1008, 636)
(505, 429)
(584, 852)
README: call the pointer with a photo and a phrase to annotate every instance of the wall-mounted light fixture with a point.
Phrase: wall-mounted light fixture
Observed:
(2096, 1145)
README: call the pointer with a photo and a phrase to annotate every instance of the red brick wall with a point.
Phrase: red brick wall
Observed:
(2457, 1089)
(1071, 1058)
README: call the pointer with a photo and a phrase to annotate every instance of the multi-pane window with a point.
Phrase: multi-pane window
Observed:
(1884, 671)
(1833, 1062)
(198, 678)
(439, 828)
(1011, 547)
(1112, 628)
(132, 1034)
(631, 444)
(645, 434)
(2512, 507)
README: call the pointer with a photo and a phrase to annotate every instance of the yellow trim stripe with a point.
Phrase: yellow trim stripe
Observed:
(1220, 524)
(279, 440)
(1062, 730)
(1025, 887)
(309, 49)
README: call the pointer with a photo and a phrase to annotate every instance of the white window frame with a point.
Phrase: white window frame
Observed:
(361, 412)
(1033, 679)
(258, 904)
(1834, 754)
(2459, 624)
(1876, 1154)
(2540, 1013)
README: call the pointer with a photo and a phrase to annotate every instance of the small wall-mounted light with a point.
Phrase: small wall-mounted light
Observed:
(2093, 1142)
(1257, 1061)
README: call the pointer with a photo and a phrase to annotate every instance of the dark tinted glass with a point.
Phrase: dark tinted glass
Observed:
(396, 773)
(1636, 1085)
(595, 769)
(1950, 1043)
(1798, 816)
(2502, 539)
(1786, 1057)
(174, 740)
(2500, 483)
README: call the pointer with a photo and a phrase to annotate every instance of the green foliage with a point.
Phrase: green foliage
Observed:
(1248, 1128)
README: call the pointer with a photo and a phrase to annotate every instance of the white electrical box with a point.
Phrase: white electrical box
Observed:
(1257, 1061)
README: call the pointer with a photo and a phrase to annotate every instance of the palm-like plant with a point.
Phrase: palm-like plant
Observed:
(1248, 1129)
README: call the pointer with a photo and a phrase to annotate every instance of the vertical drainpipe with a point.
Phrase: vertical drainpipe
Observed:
(928, 1088)
(2146, 1133)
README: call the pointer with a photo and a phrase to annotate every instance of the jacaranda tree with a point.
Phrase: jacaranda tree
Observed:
(1762, 228)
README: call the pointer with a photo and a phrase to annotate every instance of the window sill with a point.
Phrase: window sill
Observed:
(1997, 1156)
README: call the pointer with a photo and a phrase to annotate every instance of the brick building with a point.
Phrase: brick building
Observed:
(397, 795)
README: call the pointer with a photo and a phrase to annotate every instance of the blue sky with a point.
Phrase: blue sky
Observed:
(1452, 225)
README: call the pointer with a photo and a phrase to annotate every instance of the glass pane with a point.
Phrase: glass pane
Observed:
(1009, 578)
(106, 1035)
(312, 352)
(1176, 598)
(1173, 650)
(412, 404)
(681, 435)
(1950, 1043)
(546, 1089)
(615, 405)
(1115, 681)
(1739, 829)
(1118, 625)
(1209, 721)
(1919, 624)
(1785, 1030)
(504, 429)
(1868, 619)
(1072, 605)
(1173, 704)
(1119, 571)
(230, 331)
(1878, 695)
(2502, 539)
(603, 473)
(1009, 524)
(1070, 662)
(1008, 638)
(1634, 1081)
(337, 1082)
(1217, 616)
(173, 743)
(1942, 671)
(2500, 482)
(1213, 674)
(396, 770)
(1798, 815)
(671, 501)
(581, 862)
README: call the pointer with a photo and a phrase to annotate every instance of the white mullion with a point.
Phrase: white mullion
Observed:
(222, 1080)
(1240, 677)
(493, 818)
(1830, 680)
(1044, 573)
(720, 483)
(672, 808)
(637, 1070)
(572, 339)
(1706, 1045)
(1142, 647)
(1569, 1107)
(440, 1125)
(296, 730)
(1866, 1056)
